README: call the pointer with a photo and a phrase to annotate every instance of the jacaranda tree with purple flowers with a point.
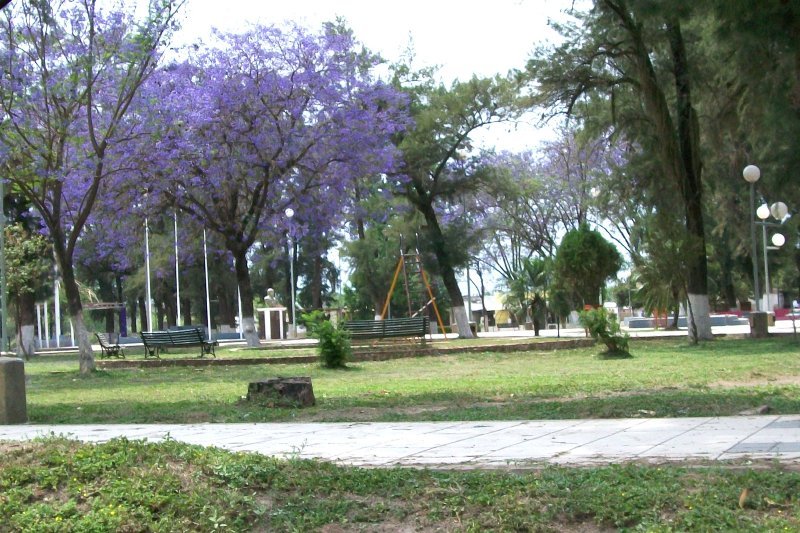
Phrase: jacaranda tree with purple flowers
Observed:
(266, 120)
(71, 71)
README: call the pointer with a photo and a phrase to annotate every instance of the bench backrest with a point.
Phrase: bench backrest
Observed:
(395, 327)
(156, 337)
(186, 336)
(103, 338)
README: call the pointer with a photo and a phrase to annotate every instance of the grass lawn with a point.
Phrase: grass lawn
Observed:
(665, 378)
(57, 485)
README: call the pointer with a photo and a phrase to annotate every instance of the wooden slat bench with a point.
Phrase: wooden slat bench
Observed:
(391, 328)
(107, 349)
(156, 341)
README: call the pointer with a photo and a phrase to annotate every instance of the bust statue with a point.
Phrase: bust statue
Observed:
(270, 300)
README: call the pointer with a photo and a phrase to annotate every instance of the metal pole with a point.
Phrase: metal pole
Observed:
(177, 275)
(147, 281)
(754, 251)
(57, 311)
(39, 323)
(241, 325)
(291, 276)
(3, 277)
(208, 295)
(46, 325)
(469, 296)
(766, 267)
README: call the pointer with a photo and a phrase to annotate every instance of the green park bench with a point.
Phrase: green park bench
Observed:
(156, 341)
(385, 329)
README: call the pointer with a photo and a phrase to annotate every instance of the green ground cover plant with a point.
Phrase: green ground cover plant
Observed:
(604, 328)
(59, 485)
(667, 377)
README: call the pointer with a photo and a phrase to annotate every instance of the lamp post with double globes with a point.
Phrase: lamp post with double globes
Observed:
(751, 174)
(778, 210)
(759, 319)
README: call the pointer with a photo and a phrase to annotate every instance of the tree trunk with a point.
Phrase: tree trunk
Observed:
(316, 282)
(158, 307)
(448, 272)
(186, 310)
(75, 309)
(143, 314)
(123, 327)
(679, 150)
(223, 304)
(134, 327)
(26, 317)
(246, 290)
(692, 188)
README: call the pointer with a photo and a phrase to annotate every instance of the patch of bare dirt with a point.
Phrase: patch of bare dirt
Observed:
(756, 380)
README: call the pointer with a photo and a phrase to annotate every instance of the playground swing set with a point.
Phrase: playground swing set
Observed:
(413, 262)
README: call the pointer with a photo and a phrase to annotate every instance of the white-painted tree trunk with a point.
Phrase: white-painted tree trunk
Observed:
(84, 346)
(700, 316)
(462, 322)
(26, 342)
(250, 332)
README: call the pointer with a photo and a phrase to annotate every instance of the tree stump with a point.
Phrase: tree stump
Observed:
(282, 392)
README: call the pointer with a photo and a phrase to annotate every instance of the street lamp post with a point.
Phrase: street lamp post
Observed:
(293, 325)
(751, 174)
(778, 210)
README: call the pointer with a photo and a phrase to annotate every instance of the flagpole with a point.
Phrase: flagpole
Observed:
(147, 281)
(177, 275)
(208, 296)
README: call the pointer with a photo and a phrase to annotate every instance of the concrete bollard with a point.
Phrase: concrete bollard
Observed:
(13, 406)
(759, 322)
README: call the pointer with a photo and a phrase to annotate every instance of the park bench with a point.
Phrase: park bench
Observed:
(107, 348)
(156, 341)
(391, 328)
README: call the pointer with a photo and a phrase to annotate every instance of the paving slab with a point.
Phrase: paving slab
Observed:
(505, 444)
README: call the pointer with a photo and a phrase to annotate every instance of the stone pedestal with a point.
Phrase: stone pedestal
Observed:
(759, 322)
(282, 392)
(13, 406)
(271, 321)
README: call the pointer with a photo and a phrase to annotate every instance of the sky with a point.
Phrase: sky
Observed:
(461, 37)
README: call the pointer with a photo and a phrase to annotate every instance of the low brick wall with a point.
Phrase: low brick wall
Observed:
(360, 354)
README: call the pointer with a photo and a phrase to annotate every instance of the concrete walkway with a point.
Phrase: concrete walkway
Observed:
(512, 444)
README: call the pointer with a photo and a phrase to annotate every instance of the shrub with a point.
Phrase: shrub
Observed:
(334, 344)
(604, 327)
(312, 320)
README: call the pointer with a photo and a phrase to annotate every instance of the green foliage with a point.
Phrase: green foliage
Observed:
(604, 327)
(527, 286)
(584, 261)
(312, 320)
(334, 342)
(27, 260)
